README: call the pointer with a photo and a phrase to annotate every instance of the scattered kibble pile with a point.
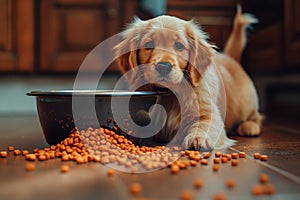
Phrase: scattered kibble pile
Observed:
(106, 147)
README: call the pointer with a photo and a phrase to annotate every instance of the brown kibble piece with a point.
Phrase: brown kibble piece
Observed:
(257, 190)
(204, 162)
(256, 155)
(80, 160)
(30, 157)
(242, 154)
(228, 156)
(217, 160)
(198, 183)
(263, 178)
(224, 159)
(206, 154)
(234, 162)
(216, 167)
(193, 163)
(65, 157)
(186, 195)
(234, 155)
(183, 164)
(230, 183)
(64, 168)
(135, 188)
(263, 157)
(42, 157)
(217, 154)
(25, 152)
(269, 189)
(29, 167)
(110, 172)
(17, 152)
(3, 154)
(195, 157)
(11, 148)
(220, 196)
(175, 169)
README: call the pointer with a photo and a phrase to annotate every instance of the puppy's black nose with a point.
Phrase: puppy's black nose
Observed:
(163, 68)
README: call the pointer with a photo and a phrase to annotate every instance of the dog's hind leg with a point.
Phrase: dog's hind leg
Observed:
(238, 38)
(251, 127)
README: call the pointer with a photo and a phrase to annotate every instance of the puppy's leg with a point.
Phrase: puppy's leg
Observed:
(251, 127)
(207, 133)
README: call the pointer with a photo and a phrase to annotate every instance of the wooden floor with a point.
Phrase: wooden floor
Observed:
(89, 181)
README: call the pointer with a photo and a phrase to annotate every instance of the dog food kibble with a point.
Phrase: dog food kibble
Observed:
(204, 162)
(183, 164)
(257, 190)
(30, 157)
(224, 159)
(263, 178)
(17, 152)
(234, 162)
(234, 155)
(64, 168)
(263, 157)
(65, 157)
(80, 160)
(3, 154)
(216, 167)
(219, 196)
(206, 154)
(195, 157)
(217, 154)
(110, 172)
(256, 155)
(230, 183)
(175, 169)
(217, 160)
(186, 195)
(193, 163)
(29, 167)
(25, 152)
(269, 189)
(198, 183)
(242, 154)
(135, 188)
(228, 156)
(42, 157)
(11, 148)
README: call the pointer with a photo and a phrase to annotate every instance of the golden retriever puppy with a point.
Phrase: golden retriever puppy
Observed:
(211, 92)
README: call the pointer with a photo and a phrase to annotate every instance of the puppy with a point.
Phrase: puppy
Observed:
(211, 93)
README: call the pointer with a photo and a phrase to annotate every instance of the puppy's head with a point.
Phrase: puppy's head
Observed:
(164, 50)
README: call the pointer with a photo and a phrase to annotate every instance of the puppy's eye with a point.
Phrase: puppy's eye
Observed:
(149, 45)
(179, 46)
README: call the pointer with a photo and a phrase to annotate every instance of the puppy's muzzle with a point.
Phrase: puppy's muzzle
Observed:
(164, 68)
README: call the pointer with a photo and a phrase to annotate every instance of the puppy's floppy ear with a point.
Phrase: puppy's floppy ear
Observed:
(126, 50)
(200, 54)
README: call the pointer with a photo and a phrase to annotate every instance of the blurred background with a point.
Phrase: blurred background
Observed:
(44, 42)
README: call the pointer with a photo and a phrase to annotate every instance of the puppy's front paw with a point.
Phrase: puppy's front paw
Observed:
(196, 141)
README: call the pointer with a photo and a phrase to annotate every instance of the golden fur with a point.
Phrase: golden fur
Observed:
(170, 41)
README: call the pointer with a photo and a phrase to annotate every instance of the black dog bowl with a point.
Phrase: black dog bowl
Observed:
(58, 120)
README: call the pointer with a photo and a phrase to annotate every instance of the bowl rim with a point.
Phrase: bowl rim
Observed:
(100, 93)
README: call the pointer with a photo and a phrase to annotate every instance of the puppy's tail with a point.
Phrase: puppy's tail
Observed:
(238, 38)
